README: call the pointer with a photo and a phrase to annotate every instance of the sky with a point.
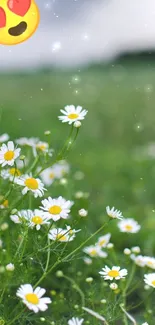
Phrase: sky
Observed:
(79, 32)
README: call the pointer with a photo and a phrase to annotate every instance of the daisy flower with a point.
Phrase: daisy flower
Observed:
(150, 262)
(75, 321)
(31, 184)
(60, 234)
(22, 216)
(149, 279)
(114, 213)
(94, 251)
(43, 146)
(33, 298)
(11, 173)
(57, 171)
(8, 154)
(72, 114)
(103, 240)
(139, 260)
(114, 273)
(33, 219)
(129, 225)
(31, 142)
(56, 208)
(4, 204)
(38, 219)
(4, 137)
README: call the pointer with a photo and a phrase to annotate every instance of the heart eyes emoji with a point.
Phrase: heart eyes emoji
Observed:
(19, 20)
(19, 7)
(2, 18)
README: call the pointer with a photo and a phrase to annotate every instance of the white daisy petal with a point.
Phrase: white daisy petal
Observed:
(72, 114)
(129, 225)
(114, 273)
(32, 298)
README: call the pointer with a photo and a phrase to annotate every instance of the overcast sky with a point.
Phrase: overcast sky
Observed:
(76, 32)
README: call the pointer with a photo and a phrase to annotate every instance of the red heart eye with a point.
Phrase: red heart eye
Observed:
(19, 7)
(2, 18)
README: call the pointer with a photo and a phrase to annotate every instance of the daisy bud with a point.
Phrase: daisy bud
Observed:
(79, 195)
(77, 124)
(103, 301)
(83, 213)
(22, 157)
(42, 319)
(63, 181)
(136, 249)
(110, 246)
(14, 211)
(113, 286)
(10, 267)
(59, 274)
(47, 132)
(87, 260)
(4, 226)
(127, 251)
(146, 287)
(78, 176)
(89, 280)
(76, 306)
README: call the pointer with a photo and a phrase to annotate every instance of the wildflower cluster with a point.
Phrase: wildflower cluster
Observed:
(44, 238)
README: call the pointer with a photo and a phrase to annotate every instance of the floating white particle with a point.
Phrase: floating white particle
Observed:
(56, 46)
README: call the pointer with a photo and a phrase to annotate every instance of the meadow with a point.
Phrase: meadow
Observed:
(112, 151)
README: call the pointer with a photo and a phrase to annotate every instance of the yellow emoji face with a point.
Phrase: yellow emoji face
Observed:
(19, 19)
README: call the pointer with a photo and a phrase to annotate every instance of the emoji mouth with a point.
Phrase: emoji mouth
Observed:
(18, 29)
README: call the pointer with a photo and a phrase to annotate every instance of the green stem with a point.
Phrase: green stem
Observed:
(60, 155)
(77, 288)
(48, 257)
(16, 317)
(59, 261)
(34, 164)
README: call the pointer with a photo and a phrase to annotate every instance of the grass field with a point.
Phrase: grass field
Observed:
(120, 99)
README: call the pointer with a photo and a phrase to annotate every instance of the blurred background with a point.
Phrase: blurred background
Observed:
(98, 54)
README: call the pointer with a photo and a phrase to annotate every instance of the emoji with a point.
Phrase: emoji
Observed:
(19, 19)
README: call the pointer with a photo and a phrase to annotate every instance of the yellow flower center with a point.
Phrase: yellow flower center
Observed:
(51, 175)
(128, 227)
(9, 155)
(37, 220)
(14, 172)
(149, 263)
(55, 209)
(102, 242)
(31, 183)
(32, 298)
(153, 282)
(61, 237)
(93, 252)
(113, 273)
(41, 146)
(5, 203)
(73, 116)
